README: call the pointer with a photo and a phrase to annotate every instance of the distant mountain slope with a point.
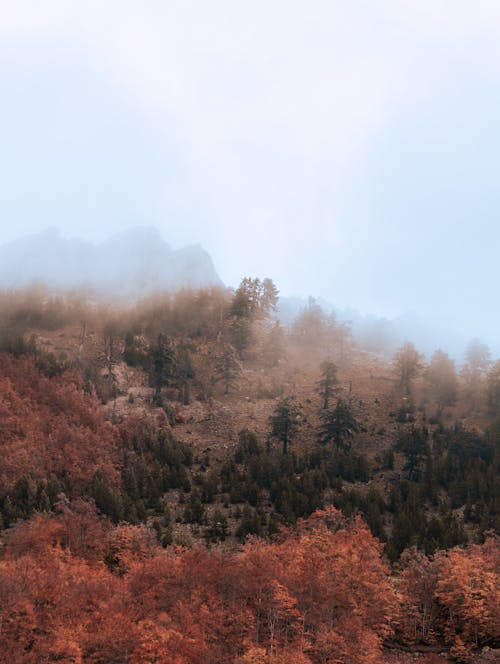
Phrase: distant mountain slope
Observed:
(137, 260)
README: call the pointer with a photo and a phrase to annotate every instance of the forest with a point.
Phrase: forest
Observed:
(188, 479)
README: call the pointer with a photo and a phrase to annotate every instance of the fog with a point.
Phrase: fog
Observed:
(133, 263)
(348, 151)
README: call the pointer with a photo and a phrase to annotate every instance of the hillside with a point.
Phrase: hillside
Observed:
(195, 420)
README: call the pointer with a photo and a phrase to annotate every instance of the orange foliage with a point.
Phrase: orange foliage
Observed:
(468, 589)
(48, 426)
(456, 595)
(76, 589)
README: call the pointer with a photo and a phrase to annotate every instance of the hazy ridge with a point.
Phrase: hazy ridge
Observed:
(135, 261)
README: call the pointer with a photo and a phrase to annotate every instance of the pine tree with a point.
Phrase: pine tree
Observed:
(327, 386)
(339, 425)
(285, 421)
(163, 365)
(228, 368)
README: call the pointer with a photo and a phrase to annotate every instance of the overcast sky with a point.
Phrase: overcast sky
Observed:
(347, 149)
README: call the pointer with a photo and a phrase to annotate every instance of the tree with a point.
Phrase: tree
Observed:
(441, 377)
(414, 444)
(407, 365)
(269, 297)
(163, 365)
(184, 371)
(247, 299)
(285, 421)
(309, 329)
(493, 389)
(327, 386)
(468, 589)
(254, 299)
(477, 362)
(274, 346)
(477, 356)
(338, 426)
(228, 368)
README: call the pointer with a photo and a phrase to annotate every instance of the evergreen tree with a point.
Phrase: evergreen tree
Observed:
(339, 425)
(228, 368)
(493, 389)
(414, 444)
(163, 365)
(184, 371)
(285, 421)
(269, 297)
(273, 349)
(327, 386)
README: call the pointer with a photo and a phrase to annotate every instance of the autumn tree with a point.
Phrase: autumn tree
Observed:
(442, 381)
(468, 587)
(253, 300)
(273, 349)
(407, 365)
(246, 300)
(309, 329)
(474, 371)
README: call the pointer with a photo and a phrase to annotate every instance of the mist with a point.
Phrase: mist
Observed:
(132, 263)
(349, 153)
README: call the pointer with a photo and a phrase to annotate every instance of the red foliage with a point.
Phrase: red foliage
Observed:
(48, 426)
(317, 596)
(456, 595)
(75, 589)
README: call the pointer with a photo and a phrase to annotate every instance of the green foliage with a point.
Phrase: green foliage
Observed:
(217, 530)
(163, 364)
(228, 368)
(107, 500)
(248, 446)
(194, 511)
(184, 371)
(135, 353)
(327, 386)
(285, 421)
(413, 443)
(338, 425)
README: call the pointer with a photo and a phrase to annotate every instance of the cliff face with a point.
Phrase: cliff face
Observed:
(135, 261)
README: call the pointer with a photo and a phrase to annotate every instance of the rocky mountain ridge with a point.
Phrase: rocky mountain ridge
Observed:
(136, 261)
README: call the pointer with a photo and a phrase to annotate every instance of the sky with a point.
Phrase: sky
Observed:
(349, 150)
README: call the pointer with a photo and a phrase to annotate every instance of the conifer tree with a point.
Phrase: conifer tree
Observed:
(339, 425)
(327, 386)
(285, 421)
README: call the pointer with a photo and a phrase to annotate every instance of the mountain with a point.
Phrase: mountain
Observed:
(136, 261)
